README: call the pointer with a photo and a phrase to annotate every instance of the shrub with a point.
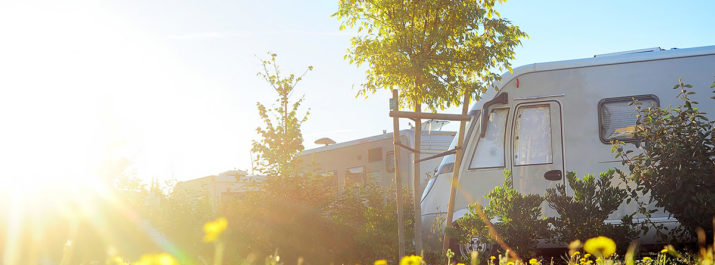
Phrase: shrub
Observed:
(582, 215)
(519, 220)
(676, 163)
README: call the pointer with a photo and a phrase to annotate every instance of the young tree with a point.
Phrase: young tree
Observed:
(434, 52)
(281, 138)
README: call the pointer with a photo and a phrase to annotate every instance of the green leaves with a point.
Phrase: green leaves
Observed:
(675, 165)
(281, 138)
(433, 51)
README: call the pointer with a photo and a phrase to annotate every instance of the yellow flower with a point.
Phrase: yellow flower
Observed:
(665, 250)
(647, 259)
(381, 262)
(575, 253)
(598, 259)
(600, 245)
(533, 261)
(492, 257)
(411, 260)
(460, 263)
(587, 255)
(510, 263)
(156, 259)
(212, 230)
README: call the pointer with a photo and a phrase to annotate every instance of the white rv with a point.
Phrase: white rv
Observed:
(372, 158)
(550, 118)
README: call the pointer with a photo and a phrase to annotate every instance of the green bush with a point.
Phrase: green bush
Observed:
(582, 215)
(520, 222)
(676, 162)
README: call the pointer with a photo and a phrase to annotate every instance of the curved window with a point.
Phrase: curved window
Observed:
(490, 148)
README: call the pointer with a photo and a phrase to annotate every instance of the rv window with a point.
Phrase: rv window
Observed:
(532, 135)
(617, 117)
(374, 154)
(355, 176)
(490, 148)
(390, 162)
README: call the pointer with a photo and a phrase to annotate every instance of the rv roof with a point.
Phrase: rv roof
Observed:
(406, 132)
(632, 56)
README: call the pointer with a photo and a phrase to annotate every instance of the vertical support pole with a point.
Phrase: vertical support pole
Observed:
(455, 174)
(398, 182)
(416, 180)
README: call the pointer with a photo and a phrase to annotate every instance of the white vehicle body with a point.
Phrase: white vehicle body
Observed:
(372, 158)
(560, 116)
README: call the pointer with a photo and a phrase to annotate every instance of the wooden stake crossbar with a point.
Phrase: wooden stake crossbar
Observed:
(436, 116)
(407, 147)
(445, 153)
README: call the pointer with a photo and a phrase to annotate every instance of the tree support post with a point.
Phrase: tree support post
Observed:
(455, 174)
(416, 181)
(395, 106)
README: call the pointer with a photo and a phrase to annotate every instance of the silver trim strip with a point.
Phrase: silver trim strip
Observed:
(539, 97)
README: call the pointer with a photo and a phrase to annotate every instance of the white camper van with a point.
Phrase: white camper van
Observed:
(372, 158)
(546, 119)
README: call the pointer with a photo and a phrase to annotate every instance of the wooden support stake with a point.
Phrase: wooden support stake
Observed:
(416, 181)
(398, 182)
(455, 172)
(437, 116)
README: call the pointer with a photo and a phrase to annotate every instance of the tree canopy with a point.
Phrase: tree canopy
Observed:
(432, 51)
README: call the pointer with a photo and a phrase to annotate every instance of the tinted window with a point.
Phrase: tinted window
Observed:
(617, 117)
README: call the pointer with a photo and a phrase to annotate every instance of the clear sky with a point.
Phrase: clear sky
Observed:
(171, 86)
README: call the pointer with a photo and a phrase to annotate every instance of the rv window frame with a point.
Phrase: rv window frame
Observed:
(620, 99)
(387, 161)
(476, 145)
(551, 122)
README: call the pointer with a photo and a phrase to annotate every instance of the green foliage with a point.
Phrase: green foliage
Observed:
(519, 220)
(281, 138)
(582, 215)
(676, 162)
(367, 221)
(301, 219)
(433, 51)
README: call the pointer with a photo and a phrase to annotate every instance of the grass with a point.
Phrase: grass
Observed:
(595, 251)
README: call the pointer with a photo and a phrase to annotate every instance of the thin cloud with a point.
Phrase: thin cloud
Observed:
(200, 36)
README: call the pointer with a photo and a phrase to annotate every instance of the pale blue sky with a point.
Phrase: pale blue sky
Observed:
(172, 85)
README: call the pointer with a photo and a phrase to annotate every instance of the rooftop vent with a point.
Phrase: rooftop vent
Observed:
(325, 140)
(654, 49)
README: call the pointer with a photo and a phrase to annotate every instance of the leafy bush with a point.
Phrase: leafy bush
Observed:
(676, 163)
(520, 222)
(582, 215)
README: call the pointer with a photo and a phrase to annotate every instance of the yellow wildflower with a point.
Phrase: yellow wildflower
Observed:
(600, 245)
(665, 250)
(575, 253)
(411, 260)
(460, 263)
(533, 261)
(212, 230)
(492, 257)
(510, 263)
(381, 262)
(647, 259)
(156, 259)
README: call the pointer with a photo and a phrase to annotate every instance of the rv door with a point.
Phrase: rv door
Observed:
(536, 147)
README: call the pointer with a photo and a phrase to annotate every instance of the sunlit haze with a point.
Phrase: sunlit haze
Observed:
(170, 89)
